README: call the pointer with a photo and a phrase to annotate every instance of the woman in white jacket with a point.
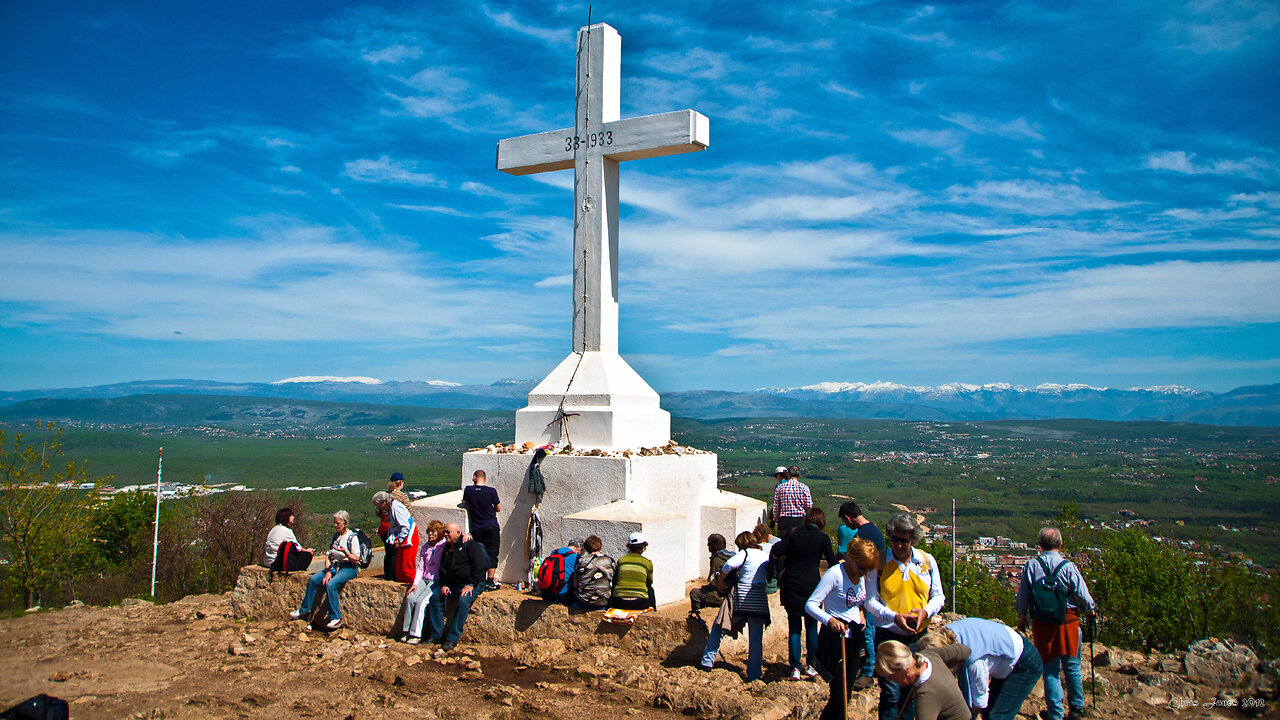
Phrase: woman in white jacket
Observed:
(840, 604)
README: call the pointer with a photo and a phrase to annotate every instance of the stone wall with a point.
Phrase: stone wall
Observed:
(370, 604)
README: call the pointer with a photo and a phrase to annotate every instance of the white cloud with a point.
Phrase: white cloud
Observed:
(1017, 129)
(940, 139)
(836, 88)
(246, 288)
(439, 209)
(290, 169)
(1032, 197)
(508, 21)
(1184, 162)
(555, 281)
(1219, 26)
(392, 55)
(697, 63)
(386, 170)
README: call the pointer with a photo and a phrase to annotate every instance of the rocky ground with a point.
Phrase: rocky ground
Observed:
(191, 659)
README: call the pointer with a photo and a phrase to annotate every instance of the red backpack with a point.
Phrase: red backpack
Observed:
(551, 576)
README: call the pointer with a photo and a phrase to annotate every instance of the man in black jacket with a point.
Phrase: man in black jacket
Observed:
(462, 569)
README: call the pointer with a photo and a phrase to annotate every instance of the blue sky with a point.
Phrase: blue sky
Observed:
(974, 192)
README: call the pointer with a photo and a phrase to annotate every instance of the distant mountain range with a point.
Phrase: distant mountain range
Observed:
(1254, 405)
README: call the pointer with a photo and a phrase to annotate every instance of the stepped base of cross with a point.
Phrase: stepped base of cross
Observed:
(665, 491)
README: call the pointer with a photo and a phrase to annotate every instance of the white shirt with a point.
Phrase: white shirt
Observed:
(278, 534)
(839, 597)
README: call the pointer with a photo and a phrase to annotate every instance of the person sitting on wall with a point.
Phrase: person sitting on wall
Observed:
(342, 563)
(709, 595)
(281, 533)
(422, 600)
(592, 576)
(633, 581)
(462, 569)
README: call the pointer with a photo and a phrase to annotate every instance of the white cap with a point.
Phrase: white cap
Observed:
(779, 470)
(637, 539)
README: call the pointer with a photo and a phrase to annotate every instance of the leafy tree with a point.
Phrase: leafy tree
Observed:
(1141, 587)
(122, 528)
(44, 518)
(977, 593)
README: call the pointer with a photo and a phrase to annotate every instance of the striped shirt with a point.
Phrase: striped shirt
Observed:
(634, 575)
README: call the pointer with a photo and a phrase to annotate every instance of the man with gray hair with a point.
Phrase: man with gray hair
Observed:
(462, 568)
(908, 589)
(1057, 642)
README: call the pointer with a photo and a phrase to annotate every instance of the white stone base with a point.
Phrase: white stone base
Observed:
(672, 499)
(609, 406)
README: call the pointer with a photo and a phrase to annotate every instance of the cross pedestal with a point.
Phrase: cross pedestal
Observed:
(593, 400)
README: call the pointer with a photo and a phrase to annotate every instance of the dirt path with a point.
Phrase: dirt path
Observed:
(190, 660)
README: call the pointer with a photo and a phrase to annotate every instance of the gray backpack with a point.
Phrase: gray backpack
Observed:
(593, 581)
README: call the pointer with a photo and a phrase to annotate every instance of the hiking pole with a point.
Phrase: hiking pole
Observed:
(1093, 673)
(844, 676)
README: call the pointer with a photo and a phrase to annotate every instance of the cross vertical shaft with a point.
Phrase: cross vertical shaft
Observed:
(595, 193)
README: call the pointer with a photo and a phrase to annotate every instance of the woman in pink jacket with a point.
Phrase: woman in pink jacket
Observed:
(424, 594)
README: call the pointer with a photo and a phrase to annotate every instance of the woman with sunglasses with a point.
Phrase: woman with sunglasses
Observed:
(907, 591)
(839, 602)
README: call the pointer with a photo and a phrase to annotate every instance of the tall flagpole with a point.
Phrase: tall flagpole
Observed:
(155, 537)
(953, 555)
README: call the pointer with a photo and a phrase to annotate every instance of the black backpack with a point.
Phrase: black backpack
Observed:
(1049, 595)
(40, 707)
(290, 557)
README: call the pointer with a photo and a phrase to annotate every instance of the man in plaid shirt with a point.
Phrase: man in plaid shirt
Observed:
(791, 500)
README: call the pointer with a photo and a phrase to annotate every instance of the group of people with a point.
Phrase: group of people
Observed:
(870, 611)
(443, 566)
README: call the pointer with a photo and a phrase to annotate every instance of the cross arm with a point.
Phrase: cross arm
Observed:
(649, 136)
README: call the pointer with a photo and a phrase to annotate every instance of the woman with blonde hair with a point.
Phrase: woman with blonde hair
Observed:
(925, 678)
(423, 597)
(839, 602)
(1002, 668)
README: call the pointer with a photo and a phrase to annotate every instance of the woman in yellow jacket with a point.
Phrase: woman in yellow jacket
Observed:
(909, 588)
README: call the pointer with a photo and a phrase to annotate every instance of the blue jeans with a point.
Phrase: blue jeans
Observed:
(869, 666)
(1053, 684)
(345, 573)
(795, 622)
(424, 603)
(892, 706)
(454, 631)
(755, 647)
(1006, 696)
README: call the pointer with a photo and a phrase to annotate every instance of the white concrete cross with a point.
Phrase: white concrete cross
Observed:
(593, 147)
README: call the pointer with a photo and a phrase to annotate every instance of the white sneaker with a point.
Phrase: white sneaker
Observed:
(295, 615)
(811, 672)
(795, 674)
(334, 624)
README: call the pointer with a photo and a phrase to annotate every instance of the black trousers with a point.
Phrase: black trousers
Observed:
(842, 675)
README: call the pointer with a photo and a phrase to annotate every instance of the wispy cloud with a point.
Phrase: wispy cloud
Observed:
(508, 21)
(386, 170)
(1032, 197)
(1184, 162)
(392, 55)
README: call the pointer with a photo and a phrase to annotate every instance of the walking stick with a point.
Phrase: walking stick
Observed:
(844, 677)
(1093, 674)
